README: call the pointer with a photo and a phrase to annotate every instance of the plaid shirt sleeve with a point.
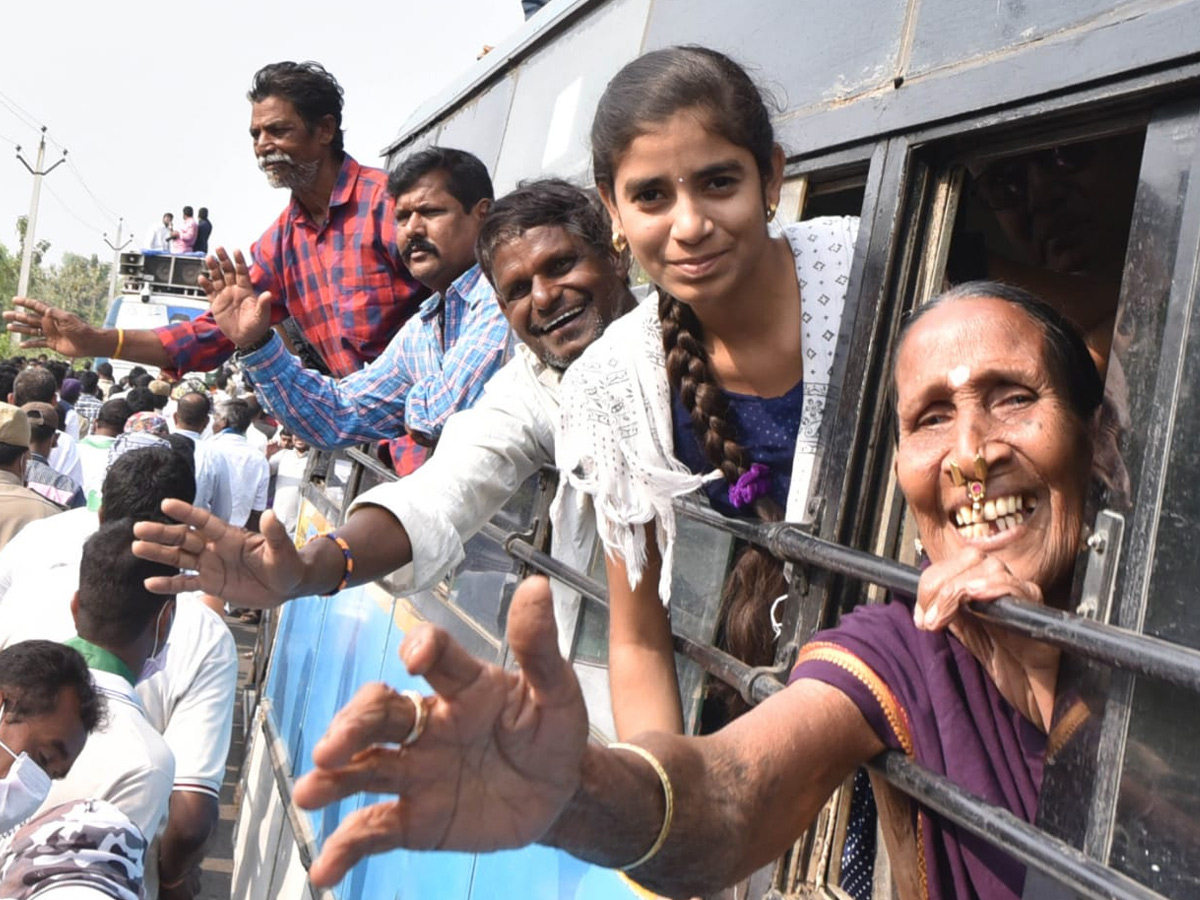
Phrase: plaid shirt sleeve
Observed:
(327, 412)
(477, 336)
(195, 346)
(200, 345)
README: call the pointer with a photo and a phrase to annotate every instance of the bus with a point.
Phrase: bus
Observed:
(906, 115)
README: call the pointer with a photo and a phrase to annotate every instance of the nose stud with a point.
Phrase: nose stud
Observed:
(977, 486)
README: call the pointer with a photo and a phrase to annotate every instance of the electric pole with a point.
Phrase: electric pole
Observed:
(116, 263)
(31, 222)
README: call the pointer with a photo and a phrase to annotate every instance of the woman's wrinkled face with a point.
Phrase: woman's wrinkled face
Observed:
(693, 206)
(972, 377)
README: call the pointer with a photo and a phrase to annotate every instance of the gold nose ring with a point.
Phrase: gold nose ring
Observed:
(977, 486)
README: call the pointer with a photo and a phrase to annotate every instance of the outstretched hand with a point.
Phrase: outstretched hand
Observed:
(498, 761)
(243, 568)
(241, 314)
(50, 327)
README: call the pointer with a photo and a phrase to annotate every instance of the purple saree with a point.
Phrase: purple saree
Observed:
(925, 694)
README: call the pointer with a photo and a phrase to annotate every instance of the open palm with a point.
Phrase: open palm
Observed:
(241, 314)
(241, 567)
(499, 760)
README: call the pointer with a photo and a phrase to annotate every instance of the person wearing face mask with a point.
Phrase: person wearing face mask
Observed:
(190, 702)
(48, 706)
(120, 630)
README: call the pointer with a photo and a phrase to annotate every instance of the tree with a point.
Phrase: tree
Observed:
(78, 284)
(39, 249)
(10, 271)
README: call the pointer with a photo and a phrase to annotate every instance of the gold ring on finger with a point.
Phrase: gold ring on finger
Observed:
(421, 712)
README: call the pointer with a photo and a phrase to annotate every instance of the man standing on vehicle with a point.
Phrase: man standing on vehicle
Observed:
(185, 237)
(159, 238)
(203, 230)
(330, 260)
(439, 361)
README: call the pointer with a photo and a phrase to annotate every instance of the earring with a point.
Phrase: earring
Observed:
(771, 209)
(619, 242)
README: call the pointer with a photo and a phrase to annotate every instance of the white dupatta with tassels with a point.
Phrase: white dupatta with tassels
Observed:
(615, 442)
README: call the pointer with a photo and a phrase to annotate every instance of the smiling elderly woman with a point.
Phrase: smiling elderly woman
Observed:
(996, 399)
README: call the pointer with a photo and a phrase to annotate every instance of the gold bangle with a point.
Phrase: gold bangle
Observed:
(669, 802)
(120, 343)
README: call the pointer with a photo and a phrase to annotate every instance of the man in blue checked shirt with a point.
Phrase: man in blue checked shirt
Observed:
(436, 364)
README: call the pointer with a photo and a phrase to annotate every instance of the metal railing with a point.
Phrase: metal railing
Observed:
(1137, 653)
(1027, 843)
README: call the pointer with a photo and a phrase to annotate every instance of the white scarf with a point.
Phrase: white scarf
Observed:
(616, 441)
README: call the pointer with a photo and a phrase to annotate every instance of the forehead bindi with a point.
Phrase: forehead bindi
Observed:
(681, 148)
(966, 343)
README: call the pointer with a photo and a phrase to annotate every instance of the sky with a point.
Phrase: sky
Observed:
(150, 101)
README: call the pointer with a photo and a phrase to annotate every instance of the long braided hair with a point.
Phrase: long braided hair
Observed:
(648, 91)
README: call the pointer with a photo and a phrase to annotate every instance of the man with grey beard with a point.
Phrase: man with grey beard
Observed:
(330, 260)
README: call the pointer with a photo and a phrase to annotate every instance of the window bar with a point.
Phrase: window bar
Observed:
(1037, 849)
(1085, 876)
(1137, 653)
(755, 685)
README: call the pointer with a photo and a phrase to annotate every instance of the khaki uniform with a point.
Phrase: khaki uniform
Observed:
(19, 505)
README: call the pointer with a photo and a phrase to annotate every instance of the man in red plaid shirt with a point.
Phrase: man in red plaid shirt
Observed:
(330, 260)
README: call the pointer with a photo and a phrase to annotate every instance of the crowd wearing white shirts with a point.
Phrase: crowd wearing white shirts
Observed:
(159, 757)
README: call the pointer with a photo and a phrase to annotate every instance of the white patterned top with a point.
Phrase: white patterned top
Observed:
(615, 442)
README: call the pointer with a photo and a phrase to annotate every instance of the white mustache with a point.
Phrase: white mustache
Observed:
(275, 158)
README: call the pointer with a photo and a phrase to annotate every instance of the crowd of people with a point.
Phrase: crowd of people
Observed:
(481, 338)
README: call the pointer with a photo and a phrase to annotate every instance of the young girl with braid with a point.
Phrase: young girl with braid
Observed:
(718, 380)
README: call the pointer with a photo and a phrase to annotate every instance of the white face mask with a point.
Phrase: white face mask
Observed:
(22, 790)
(157, 661)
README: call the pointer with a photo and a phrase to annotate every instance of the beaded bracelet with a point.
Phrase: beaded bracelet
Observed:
(349, 558)
(669, 802)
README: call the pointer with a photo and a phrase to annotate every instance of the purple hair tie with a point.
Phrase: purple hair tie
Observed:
(753, 483)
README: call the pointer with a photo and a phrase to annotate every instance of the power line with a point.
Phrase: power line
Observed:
(19, 111)
(74, 215)
(29, 119)
(7, 139)
(103, 207)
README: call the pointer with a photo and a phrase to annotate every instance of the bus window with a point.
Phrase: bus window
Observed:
(1053, 219)
(1093, 225)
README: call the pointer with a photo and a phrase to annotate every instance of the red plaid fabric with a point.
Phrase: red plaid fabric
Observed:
(343, 281)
